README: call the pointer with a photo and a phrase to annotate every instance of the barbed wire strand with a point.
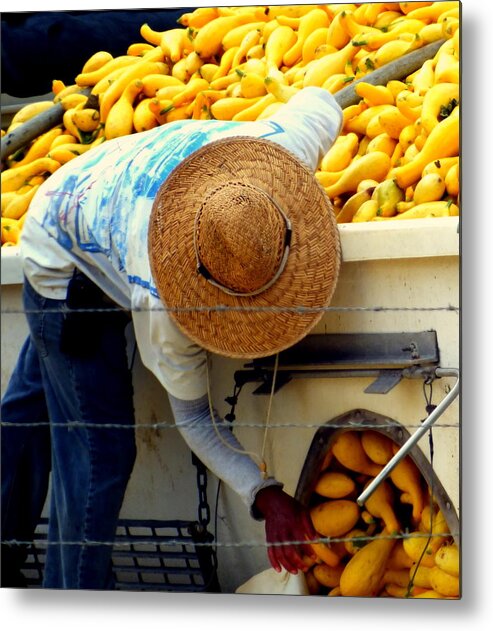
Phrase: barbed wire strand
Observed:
(226, 544)
(203, 308)
(238, 425)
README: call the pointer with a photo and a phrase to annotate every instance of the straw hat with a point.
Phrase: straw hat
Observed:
(244, 247)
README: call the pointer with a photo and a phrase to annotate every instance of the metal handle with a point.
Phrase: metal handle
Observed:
(408, 445)
(397, 69)
(34, 127)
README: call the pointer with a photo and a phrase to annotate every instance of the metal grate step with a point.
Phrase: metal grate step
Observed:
(171, 556)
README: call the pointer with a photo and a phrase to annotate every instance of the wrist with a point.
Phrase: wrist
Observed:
(266, 499)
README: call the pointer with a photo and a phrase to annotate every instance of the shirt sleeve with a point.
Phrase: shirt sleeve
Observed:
(307, 126)
(212, 440)
(311, 120)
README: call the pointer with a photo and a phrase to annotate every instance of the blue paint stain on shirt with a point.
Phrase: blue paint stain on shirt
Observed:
(101, 201)
(93, 200)
(276, 129)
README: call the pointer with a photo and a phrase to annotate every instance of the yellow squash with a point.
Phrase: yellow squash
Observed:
(319, 70)
(429, 188)
(237, 35)
(440, 166)
(325, 554)
(355, 540)
(393, 121)
(442, 142)
(154, 82)
(334, 484)
(282, 92)
(377, 446)
(374, 94)
(388, 195)
(362, 575)
(29, 111)
(335, 517)
(20, 203)
(68, 151)
(430, 593)
(86, 79)
(138, 71)
(424, 78)
(442, 208)
(447, 558)
(341, 153)
(13, 179)
(190, 91)
(226, 108)
(209, 37)
(97, 61)
(358, 123)
(407, 477)
(10, 231)
(351, 206)
(327, 575)
(444, 583)
(374, 166)
(440, 96)
(380, 505)
(396, 577)
(198, 17)
(173, 43)
(40, 147)
(366, 212)
(317, 38)
(337, 35)
(398, 558)
(143, 117)
(254, 111)
(431, 12)
(349, 452)
(311, 21)
(420, 548)
(280, 41)
(86, 119)
(398, 591)
(119, 121)
(452, 180)
(420, 575)
(393, 50)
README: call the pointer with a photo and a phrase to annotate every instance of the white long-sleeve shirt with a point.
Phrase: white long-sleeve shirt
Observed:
(93, 214)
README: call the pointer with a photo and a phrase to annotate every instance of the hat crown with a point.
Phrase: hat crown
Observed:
(240, 236)
(244, 324)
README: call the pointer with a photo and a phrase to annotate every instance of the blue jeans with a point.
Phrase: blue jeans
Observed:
(90, 464)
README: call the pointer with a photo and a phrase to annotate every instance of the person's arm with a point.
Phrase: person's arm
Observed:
(218, 448)
(311, 120)
(180, 366)
(287, 524)
(307, 126)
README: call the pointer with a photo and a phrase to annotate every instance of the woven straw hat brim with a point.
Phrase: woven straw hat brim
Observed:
(255, 326)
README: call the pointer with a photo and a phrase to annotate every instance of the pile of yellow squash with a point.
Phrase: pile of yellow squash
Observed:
(397, 545)
(398, 153)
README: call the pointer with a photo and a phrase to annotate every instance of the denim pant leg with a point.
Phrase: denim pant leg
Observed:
(25, 460)
(91, 463)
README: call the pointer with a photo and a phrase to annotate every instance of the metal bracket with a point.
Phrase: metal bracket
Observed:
(385, 381)
(386, 356)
